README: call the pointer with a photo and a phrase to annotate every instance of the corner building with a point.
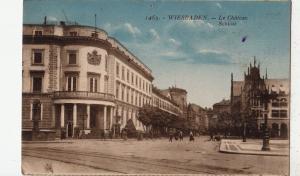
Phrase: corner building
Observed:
(78, 77)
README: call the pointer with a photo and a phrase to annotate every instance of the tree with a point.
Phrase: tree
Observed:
(224, 123)
(158, 120)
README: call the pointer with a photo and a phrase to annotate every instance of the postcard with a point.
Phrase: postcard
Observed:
(156, 87)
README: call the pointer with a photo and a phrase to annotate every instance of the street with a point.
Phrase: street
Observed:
(147, 156)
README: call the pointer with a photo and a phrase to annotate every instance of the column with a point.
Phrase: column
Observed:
(104, 117)
(74, 118)
(123, 117)
(62, 116)
(75, 115)
(111, 117)
(88, 116)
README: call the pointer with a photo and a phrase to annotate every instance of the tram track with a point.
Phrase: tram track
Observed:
(120, 164)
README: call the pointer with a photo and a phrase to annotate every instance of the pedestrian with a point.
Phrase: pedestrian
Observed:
(192, 136)
(180, 135)
(211, 136)
(176, 135)
(170, 137)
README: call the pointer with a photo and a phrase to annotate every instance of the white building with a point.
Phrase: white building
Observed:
(77, 77)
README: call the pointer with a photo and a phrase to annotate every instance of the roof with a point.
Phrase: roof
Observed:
(273, 84)
(277, 85)
(195, 107)
(162, 95)
(176, 89)
(222, 103)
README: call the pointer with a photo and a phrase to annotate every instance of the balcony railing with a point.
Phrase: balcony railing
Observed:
(84, 95)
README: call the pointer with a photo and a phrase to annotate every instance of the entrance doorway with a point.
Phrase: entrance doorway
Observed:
(283, 130)
(275, 130)
(69, 129)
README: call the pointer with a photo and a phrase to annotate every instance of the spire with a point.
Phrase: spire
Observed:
(231, 77)
(254, 61)
(266, 73)
(258, 65)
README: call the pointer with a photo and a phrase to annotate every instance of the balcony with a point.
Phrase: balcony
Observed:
(83, 95)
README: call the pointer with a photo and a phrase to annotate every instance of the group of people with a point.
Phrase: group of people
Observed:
(179, 135)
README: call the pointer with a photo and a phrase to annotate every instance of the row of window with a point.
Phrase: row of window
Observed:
(280, 103)
(163, 104)
(279, 113)
(71, 82)
(71, 33)
(72, 57)
(128, 97)
(275, 103)
(274, 113)
(132, 79)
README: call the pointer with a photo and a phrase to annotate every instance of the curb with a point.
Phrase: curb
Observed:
(249, 153)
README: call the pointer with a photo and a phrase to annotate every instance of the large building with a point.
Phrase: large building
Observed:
(78, 77)
(245, 96)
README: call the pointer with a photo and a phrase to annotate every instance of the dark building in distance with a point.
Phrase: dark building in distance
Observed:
(245, 99)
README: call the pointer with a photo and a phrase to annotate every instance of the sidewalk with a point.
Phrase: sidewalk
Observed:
(253, 147)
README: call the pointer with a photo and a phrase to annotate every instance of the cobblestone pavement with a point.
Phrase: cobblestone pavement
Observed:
(147, 156)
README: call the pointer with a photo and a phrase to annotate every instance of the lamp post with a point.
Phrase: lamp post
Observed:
(244, 127)
(265, 98)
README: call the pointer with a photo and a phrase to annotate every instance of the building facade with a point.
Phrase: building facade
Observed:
(165, 102)
(245, 96)
(77, 77)
(222, 106)
(198, 118)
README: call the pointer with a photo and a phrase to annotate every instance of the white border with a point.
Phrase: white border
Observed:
(295, 87)
(11, 86)
(10, 89)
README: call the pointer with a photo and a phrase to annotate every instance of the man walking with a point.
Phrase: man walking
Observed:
(180, 136)
(170, 136)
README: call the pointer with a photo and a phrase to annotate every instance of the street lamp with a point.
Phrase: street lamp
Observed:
(265, 99)
(244, 127)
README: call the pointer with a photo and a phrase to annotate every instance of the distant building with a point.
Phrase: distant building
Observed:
(195, 115)
(245, 96)
(164, 102)
(198, 117)
(222, 106)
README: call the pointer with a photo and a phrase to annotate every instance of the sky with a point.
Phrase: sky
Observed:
(197, 55)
